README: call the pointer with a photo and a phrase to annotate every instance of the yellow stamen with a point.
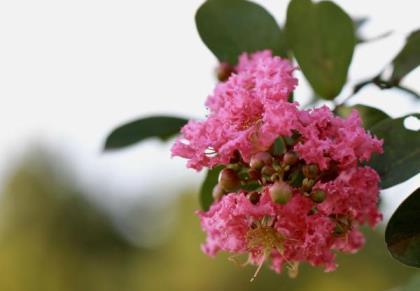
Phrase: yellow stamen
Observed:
(263, 237)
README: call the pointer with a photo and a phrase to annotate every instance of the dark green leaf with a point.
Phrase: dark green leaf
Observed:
(408, 59)
(231, 27)
(401, 158)
(206, 197)
(370, 115)
(322, 38)
(162, 127)
(402, 233)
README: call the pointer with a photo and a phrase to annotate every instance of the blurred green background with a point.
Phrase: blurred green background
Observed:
(55, 237)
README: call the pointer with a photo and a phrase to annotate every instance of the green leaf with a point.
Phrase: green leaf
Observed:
(162, 127)
(402, 233)
(369, 115)
(206, 197)
(401, 158)
(323, 39)
(231, 27)
(408, 59)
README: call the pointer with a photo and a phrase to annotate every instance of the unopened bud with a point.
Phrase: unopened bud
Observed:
(223, 71)
(318, 196)
(260, 159)
(307, 184)
(290, 158)
(254, 197)
(280, 192)
(275, 177)
(229, 180)
(311, 171)
(217, 192)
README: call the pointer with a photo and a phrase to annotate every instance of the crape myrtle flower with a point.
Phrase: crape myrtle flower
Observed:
(303, 203)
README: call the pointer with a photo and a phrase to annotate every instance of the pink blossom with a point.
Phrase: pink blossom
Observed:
(354, 194)
(299, 235)
(247, 113)
(327, 138)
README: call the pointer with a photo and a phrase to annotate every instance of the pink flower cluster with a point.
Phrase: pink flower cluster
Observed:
(320, 212)
(247, 113)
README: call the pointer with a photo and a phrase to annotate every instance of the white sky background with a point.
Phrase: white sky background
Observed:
(70, 71)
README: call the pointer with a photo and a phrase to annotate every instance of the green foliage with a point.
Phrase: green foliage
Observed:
(162, 127)
(369, 115)
(323, 39)
(401, 158)
(232, 27)
(206, 197)
(403, 231)
(408, 59)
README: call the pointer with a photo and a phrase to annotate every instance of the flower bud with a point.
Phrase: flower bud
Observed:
(254, 197)
(275, 177)
(260, 159)
(280, 192)
(307, 184)
(217, 192)
(229, 180)
(223, 71)
(311, 171)
(318, 196)
(290, 158)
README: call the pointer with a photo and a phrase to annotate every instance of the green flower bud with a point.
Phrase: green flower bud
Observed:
(311, 171)
(318, 196)
(229, 180)
(280, 192)
(260, 159)
(290, 158)
(307, 184)
(275, 177)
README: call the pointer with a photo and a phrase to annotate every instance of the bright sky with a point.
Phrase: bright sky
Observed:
(70, 71)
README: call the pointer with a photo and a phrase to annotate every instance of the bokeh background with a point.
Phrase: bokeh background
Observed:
(74, 218)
